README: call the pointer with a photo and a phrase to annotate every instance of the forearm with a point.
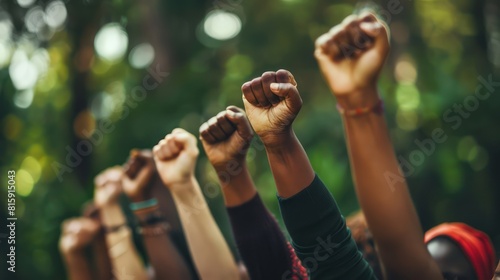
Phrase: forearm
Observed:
(237, 187)
(77, 266)
(261, 243)
(383, 195)
(101, 258)
(122, 252)
(208, 248)
(163, 255)
(290, 166)
(497, 272)
(320, 236)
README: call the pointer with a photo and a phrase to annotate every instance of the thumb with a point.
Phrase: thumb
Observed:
(238, 117)
(290, 93)
(185, 140)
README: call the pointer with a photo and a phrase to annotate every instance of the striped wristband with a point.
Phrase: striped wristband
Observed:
(134, 206)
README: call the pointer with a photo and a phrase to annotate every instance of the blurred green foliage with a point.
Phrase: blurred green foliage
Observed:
(439, 49)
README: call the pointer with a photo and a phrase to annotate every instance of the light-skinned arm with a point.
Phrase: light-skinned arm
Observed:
(175, 158)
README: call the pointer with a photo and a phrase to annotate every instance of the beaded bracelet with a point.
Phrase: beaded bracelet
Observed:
(152, 219)
(378, 108)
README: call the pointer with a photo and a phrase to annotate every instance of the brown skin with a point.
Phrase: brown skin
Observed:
(226, 138)
(272, 103)
(99, 249)
(452, 262)
(108, 187)
(497, 273)
(163, 255)
(352, 77)
(78, 234)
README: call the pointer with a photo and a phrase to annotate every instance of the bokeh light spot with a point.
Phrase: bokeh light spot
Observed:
(222, 25)
(141, 56)
(24, 182)
(111, 42)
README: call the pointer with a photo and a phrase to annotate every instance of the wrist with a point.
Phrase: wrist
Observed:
(276, 140)
(232, 167)
(73, 253)
(359, 98)
(284, 146)
(186, 185)
(112, 215)
(146, 195)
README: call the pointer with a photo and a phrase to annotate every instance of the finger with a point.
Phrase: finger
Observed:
(224, 123)
(173, 147)
(215, 130)
(378, 32)
(157, 152)
(352, 33)
(246, 88)
(240, 121)
(258, 92)
(179, 130)
(205, 134)
(266, 79)
(290, 93)
(284, 76)
(337, 46)
(161, 151)
(185, 140)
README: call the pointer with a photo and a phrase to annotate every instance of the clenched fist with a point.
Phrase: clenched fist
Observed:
(175, 157)
(138, 172)
(77, 233)
(352, 54)
(272, 102)
(108, 186)
(226, 137)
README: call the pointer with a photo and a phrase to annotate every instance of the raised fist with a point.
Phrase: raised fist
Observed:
(352, 53)
(226, 137)
(272, 102)
(108, 186)
(77, 233)
(138, 172)
(175, 157)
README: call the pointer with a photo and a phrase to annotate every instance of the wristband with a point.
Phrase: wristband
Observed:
(377, 108)
(134, 206)
(112, 229)
(152, 219)
(155, 230)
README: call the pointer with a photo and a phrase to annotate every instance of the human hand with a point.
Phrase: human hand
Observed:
(137, 175)
(175, 157)
(272, 102)
(351, 56)
(108, 186)
(226, 137)
(77, 233)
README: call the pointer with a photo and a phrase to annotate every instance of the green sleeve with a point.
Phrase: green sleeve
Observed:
(320, 236)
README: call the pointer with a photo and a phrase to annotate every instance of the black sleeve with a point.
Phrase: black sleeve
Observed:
(261, 243)
(320, 236)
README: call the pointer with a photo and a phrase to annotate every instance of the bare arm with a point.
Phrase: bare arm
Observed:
(261, 243)
(77, 234)
(272, 102)
(162, 253)
(122, 252)
(175, 158)
(350, 57)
